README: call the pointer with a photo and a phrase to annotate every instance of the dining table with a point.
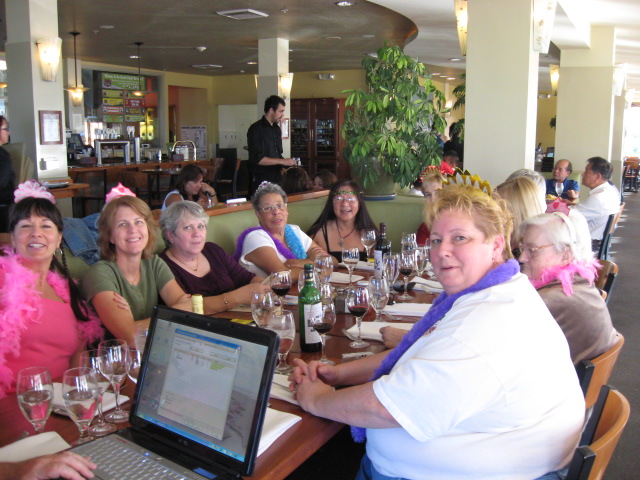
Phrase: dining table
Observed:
(297, 443)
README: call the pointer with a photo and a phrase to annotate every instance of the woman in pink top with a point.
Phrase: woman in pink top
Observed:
(43, 321)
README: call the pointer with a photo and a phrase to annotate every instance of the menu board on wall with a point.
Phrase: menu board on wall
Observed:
(121, 81)
(198, 135)
(118, 102)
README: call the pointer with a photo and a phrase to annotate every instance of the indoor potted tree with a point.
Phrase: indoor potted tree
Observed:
(391, 128)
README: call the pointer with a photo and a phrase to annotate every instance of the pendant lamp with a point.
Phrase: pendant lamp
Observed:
(77, 91)
(140, 92)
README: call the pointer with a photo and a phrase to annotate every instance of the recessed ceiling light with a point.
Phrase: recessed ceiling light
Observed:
(443, 76)
(334, 37)
(252, 63)
(368, 35)
(106, 27)
(243, 14)
(345, 4)
(134, 56)
(454, 59)
(241, 71)
(451, 78)
(207, 66)
(435, 73)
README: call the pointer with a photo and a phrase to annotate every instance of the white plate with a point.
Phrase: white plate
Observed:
(52, 185)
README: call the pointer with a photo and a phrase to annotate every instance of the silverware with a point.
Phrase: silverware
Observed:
(389, 316)
(349, 335)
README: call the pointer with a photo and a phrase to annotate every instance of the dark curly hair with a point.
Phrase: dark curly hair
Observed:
(189, 173)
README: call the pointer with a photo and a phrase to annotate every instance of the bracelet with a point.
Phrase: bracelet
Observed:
(226, 304)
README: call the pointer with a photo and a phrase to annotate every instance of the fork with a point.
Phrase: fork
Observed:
(349, 335)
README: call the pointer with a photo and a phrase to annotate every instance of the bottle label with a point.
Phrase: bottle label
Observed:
(311, 313)
(377, 263)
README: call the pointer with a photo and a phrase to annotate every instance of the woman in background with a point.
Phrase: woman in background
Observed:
(295, 180)
(7, 176)
(190, 186)
(432, 181)
(324, 179)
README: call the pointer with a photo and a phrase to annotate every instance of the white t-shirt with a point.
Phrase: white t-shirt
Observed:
(172, 192)
(491, 393)
(260, 238)
(602, 202)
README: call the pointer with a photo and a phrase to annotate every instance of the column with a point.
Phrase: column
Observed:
(502, 82)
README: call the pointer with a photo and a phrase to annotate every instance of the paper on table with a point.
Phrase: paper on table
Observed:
(280, 389)
(408, 309)
(364, 266)
(108, 400)
(371, 330)
(275, 424)
(431, 286)
(42, 444)
(339, 277)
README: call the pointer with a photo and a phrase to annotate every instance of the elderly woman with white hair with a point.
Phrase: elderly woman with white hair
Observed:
(556, 256)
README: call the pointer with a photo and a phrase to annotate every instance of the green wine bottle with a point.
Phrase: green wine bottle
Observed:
(309, 308)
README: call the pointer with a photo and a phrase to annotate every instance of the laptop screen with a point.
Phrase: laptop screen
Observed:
(206, 381)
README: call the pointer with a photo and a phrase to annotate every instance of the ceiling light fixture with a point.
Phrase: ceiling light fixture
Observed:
(462, 18)
(455, 59)
(242, 14)
(554, 73)
(344, 4)
(207, 66)
(77, 91)
(252, 63)
(139, 92)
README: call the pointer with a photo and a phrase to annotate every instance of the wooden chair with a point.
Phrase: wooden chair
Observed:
(607, 278)
(593, 374)
(137, 182)
(227, 175)
(630, 176)
(97, 191)
(212, 171)
(600, 436)
(605, 243)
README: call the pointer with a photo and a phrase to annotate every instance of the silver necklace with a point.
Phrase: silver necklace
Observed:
(341, 240)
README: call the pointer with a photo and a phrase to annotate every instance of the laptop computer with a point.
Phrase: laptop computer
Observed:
(200, 401)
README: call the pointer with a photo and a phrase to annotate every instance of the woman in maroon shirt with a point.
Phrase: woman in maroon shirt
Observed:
(202, 267)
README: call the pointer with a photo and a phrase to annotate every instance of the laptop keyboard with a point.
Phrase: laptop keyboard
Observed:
(117, 461)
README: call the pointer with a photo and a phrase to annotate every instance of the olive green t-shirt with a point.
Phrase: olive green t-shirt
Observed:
(105, 276)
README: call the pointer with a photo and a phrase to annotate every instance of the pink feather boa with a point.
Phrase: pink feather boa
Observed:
(20, 305)
(565, 273)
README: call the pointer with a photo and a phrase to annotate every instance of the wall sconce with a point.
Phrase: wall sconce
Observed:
(544, 13)
(460, 7)
(49, 52)
(554, 73)
(255, 77)
(619, 77)
(286, 82)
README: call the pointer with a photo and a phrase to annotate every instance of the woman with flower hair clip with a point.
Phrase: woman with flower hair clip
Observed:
(43, 320)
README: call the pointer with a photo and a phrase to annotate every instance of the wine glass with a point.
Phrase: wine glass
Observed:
(406, 266)
(301, 280)
(350, 257)
(35, 395)
(114, 365)
(91, 359)
(322, 324)
(559, 188)
(136, 361)
(80, 393)
(262, 304)
(323, 265)
(408, 241)
(368, 239)
(422, 259)
(358, 303)
(281, 284)
(378, 295)
(141, 336)
(391, 266)
(283, 325)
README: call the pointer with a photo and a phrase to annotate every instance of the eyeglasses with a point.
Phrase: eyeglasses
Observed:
(272, 208)
(5, 128)
(344, 198)
(532, 251)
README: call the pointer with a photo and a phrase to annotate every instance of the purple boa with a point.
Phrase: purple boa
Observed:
(282, 249)
(438, 310)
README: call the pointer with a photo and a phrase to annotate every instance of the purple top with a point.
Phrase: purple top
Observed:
(225, 274)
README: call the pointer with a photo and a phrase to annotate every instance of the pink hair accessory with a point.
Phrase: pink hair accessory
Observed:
(32, 188)
(558, 205)
(118, 191)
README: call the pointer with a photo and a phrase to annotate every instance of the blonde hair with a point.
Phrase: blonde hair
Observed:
(433, 175)
(490, 215)
(105, 226)
(523, 201)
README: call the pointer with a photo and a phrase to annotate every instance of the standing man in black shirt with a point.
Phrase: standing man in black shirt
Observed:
(264, 139)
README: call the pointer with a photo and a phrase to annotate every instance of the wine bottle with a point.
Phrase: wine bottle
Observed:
(309, 309)
(382, 247)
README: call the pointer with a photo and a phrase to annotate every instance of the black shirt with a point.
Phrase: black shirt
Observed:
(264, 140)
(7, 178)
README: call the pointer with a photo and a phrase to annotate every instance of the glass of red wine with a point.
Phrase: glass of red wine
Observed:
(281, 284)
(358, 303)
(407, 265)
(284, 326)
(325, 322)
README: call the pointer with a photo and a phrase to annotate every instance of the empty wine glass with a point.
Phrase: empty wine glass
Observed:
(283, 325)
(408, 241)
(262, 304)
(322, 324)
(378, 295)
(114, 365)
(391, 266)
(358, 303)
(35, 395)
(350, 257)
(80, 393)
(281, 284)
(406, 266)
(422, 259)
(368, 239)
(323, 265)
(559, 188)
(91, 359)
(136, 361)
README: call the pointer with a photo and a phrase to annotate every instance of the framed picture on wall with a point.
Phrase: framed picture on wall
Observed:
(284, 126)
(50, 127)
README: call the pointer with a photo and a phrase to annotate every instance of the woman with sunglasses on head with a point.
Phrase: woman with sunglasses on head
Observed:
(274, 246)
(344, 216)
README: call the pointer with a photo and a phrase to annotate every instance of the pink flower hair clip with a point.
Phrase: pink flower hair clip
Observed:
(118, 191)
(32, 188)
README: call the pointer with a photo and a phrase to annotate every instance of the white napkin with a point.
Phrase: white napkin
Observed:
(371, 330)
(275, 424)
(280, 389)
(408, 309)
(30, 447)
(339, 277)
(108, 400)
(364, 266)
(290, 300)
(430, 286)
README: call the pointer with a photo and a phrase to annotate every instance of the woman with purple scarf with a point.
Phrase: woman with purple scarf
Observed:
(275, 245)
(482, 387)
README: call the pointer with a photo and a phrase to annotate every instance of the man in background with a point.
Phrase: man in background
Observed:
(264, 140)
(450, 161)
(570, 188)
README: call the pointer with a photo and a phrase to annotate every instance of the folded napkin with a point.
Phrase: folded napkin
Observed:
(108, 400)
(364, 266)
(280, 389)
(371, 330)
(290, 300)
(30, 447)
(339, 277)
(275, 424)
(430, 286)
(408, 309)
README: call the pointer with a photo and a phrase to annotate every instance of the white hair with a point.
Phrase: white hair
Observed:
(563, 232)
